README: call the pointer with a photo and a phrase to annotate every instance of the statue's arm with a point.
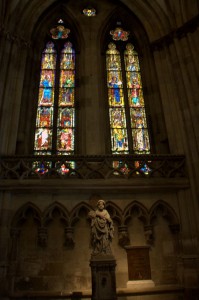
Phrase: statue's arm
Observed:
(92, 214)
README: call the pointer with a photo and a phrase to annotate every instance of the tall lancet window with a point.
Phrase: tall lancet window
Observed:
(55, 120)
(128, 124)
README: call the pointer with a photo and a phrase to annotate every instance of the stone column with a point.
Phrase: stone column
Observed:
(5, 213)
(12, 74)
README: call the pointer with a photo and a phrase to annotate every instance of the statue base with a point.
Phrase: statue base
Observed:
(103, 277)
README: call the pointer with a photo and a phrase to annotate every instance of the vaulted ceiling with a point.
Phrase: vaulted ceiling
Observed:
(159, 17)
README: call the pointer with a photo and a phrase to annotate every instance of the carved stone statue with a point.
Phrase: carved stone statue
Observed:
(101, 230)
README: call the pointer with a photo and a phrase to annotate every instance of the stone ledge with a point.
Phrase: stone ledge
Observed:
(86, 294)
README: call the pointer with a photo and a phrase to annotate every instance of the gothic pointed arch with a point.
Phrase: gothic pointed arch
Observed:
(115, 212)
(56, 209)
(167, 212)
(77, 211)
(24, 212)
(131, 102)
(58, 114)
(136, 209)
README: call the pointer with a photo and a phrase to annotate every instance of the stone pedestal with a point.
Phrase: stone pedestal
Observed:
(103, 277)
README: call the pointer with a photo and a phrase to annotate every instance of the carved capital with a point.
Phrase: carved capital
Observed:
(123, 236)
(69, 241)
(148, 232)
(42, 236)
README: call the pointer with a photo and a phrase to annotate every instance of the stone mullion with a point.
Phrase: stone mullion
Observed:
(69, 238)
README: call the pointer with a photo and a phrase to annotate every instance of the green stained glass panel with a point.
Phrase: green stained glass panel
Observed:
(67, 78)
(117, 117)
(66, 96)
(66, 117)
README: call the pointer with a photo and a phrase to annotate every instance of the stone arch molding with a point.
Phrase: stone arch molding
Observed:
(69, 219)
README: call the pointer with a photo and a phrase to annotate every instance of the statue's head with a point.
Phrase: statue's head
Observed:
(101, 204)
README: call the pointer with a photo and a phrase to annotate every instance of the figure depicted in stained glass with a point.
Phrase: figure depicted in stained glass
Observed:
(46, 83)
(113, 62)
(68, 57)
(49, 57)
(48, 61)
(131, 63)
(66, 117)
(140, 136)
(115, 85)
(131, 58)
(117, 118)
(135, 91)
(119, 140)
(44, 117)
(67, 96)
(59, 32)
(67, 79)
(42, 139)
(66, 139)
(119, 34)
(68, 62)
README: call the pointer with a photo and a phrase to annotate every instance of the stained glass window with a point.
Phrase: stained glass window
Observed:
(127, 115)
(45, 109)
(89, 12)
(119, 34)
(55, 120)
